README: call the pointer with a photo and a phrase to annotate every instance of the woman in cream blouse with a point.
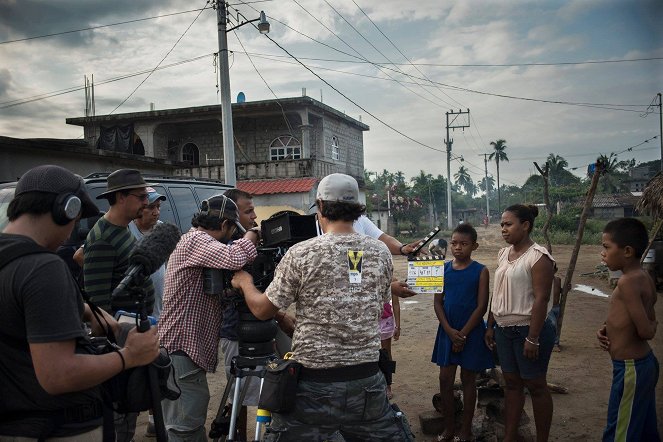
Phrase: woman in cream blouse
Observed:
(517, 324)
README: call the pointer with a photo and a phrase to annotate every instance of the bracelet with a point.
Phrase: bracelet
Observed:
(531, 342)
(124, 365)
(401, 249)
(397, 328)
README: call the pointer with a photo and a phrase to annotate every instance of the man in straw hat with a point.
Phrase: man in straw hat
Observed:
(107, 250)
(49, 389)
(109, 243)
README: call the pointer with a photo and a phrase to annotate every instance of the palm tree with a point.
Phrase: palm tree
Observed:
(490, 186)
(464, 180)
(499, 154)
(556, 164)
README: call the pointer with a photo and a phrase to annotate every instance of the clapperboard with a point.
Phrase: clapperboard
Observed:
(425, 274)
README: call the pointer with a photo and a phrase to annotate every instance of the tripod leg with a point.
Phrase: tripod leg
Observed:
(159, 426)
(236, 406)
(218, 427)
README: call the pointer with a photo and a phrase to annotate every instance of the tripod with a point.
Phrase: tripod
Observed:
(240, 367)
(153, 379)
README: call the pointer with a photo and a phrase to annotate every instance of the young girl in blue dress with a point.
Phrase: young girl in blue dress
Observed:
(460, 334)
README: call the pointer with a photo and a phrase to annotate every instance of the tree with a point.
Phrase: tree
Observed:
(464, 180)
(499, 154)
(615, 175)
(556, 167)
(491, 184)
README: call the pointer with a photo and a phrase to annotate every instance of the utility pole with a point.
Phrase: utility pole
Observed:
(224, 89)
(485, 165)
(452, 125)
(660, 127)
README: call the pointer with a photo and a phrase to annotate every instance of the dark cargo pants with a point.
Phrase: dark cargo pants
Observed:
(355, 410)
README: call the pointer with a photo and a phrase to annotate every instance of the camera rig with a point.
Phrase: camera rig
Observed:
(278, 233)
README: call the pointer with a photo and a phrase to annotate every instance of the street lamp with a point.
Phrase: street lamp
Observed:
(224, 84)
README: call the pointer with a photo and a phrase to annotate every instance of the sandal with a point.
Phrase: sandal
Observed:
(441, 437)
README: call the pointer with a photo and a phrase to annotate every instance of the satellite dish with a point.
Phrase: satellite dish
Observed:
(241, 98)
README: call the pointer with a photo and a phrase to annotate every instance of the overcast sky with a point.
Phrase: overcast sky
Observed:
(467, 55)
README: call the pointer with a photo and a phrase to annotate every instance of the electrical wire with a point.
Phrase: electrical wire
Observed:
(25, 100)
(54, 34)
(581, 104)
(291, 133)
(351, 100)
(162, 60)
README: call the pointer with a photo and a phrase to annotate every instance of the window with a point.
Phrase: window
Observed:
(334, 149)
(285, 147)
(190, 154)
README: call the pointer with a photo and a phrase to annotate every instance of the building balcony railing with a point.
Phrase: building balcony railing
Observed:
(267, 170)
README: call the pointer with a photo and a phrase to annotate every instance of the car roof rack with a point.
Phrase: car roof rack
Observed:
(94, 175)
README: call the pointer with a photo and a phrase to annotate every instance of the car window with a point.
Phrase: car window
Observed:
(96, 189)
(6, 195)
(185, 204)
(206, 192)
(166, 214)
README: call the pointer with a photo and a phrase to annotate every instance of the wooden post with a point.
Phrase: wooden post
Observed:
(566, 288)
(546, 199)
(652, 237)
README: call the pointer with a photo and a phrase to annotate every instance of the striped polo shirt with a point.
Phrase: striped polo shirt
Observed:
(107, 250)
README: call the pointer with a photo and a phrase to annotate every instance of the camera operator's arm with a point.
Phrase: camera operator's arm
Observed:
(205, 251)
(261, 307)
(286, 322)
(59, 369)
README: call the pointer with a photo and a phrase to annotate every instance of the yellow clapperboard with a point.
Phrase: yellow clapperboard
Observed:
(425, 274)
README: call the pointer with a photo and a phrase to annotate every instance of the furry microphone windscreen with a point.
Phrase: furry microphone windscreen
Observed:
(153, 250)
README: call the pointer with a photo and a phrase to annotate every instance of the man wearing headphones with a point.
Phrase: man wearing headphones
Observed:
(49, 389)
(190, 319)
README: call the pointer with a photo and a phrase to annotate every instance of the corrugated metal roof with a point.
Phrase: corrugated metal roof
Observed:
(267, 187)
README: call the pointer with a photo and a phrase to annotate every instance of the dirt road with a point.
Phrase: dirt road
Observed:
(581, 366)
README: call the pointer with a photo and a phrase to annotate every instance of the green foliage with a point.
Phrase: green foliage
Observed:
(567, 238)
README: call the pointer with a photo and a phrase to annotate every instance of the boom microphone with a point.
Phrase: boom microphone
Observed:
(149, 253)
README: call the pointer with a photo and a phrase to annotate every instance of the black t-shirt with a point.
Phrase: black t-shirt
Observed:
(39, 303)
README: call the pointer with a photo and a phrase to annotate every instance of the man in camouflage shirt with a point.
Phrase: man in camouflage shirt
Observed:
(339, 282)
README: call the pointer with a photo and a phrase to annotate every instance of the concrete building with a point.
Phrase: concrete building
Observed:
(290, 138)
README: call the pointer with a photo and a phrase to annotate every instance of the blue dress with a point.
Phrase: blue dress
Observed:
(460, 300)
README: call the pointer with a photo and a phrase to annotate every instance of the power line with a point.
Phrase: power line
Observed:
(590, 105)
(268, 86)
(608, 106)
(386, 58)
(25, 100)
(351, 100)
(358, 53)
(100, 26)
(162, 60)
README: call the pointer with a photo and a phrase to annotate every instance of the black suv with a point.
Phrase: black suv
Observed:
(183, 197)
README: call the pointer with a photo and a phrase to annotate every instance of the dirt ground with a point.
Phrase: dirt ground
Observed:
(581, 366)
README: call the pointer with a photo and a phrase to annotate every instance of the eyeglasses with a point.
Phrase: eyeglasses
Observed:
(140, 196)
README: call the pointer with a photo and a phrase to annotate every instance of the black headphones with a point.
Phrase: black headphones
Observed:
(66, 208)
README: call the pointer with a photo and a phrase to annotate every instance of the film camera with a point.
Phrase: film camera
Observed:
(278, 233)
